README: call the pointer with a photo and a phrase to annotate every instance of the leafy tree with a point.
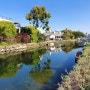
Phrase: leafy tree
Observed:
(68, 34)
(78, 34)
(32, 31)
(7, 29)
(41, 37)
(68, 46)
(39, 17)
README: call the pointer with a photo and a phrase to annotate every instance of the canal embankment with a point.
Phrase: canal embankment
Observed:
(29, 46)
(20, 47)
(79, 77)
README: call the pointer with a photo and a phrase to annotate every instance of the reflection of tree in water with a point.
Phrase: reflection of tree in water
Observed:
(7, 68)
(32, 58)
(9, 64)
(42, 74)
(68, 46)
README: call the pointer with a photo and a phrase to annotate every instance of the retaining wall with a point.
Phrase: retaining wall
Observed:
(20, 47)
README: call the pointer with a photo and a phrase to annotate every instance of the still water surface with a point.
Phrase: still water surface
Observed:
(36, 70)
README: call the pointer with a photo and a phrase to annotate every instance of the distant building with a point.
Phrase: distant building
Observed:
(54, 35)
(88, 37)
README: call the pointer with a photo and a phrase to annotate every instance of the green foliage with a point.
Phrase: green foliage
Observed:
(29, 30)
(7, 29)
(78, 34)
(32, 31)
(79, 78)
(8, 43)
(39, 17)
(34, 37)
(68, 34)
(41, 37)
(34, 57)
(9, 62)
(7, 67)
(42, 51)
(42, 75)
(68, 46)
(3, 44)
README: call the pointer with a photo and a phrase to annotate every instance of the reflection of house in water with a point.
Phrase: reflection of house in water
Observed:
(54, 49)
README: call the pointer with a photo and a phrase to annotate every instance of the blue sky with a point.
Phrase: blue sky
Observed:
(71, 14)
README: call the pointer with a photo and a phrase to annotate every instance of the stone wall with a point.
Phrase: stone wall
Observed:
(20, 47)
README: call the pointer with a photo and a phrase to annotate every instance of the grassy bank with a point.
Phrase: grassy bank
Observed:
(79, 77)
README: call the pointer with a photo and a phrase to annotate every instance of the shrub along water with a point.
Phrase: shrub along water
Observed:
(79, 78)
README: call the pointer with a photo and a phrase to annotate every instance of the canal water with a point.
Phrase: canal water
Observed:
(38, 69)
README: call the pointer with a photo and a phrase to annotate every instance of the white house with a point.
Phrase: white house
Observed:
(54, 35)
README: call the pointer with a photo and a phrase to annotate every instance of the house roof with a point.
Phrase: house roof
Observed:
(57, 34)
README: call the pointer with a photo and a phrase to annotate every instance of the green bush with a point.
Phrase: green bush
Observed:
(32, 31)
(7, 29)
(79, 78)
(3, 44)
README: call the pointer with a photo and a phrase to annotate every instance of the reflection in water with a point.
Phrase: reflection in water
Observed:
(8, 70)
(42, 74)
(68, 46)
(36, 70)
(20, 65)
(9, 65)
(55, 48)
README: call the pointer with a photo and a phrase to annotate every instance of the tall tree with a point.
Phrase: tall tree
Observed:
(39, 17)
(68, 34)
(78, 34)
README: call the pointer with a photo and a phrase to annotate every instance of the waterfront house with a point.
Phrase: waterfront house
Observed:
(54, 35)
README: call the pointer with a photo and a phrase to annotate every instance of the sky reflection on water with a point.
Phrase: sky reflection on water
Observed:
(36, 73)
